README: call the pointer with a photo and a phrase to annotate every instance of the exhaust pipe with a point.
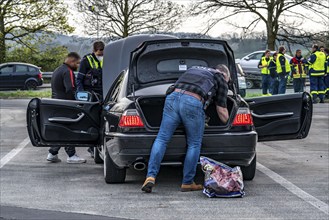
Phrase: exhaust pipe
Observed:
(139, 165)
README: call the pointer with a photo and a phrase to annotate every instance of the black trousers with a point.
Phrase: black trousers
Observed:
(69, 150)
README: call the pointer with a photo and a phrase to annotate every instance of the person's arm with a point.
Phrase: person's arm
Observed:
(282, 61)
(69, 84)
(312, 59)
(221, 99)
(260, 64)
(83, 70)
(222, 114)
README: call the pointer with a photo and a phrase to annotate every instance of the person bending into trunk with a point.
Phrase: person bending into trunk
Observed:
(185, 104)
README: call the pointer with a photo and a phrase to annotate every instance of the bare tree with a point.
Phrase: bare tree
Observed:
(121, 18)
(279, 16)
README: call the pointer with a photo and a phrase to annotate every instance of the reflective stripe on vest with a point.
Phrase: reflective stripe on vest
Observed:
(318, 67)
(93, 63)
(266, 63)
(279, 67)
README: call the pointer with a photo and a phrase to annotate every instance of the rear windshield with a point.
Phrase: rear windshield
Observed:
(169, 64)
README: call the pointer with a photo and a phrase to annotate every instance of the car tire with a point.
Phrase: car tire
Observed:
(112, 174)
(97, 157)
(249, 171)
(250, 84)
(31, 85)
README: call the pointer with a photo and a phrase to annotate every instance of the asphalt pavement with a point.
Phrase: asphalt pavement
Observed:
(292, 182)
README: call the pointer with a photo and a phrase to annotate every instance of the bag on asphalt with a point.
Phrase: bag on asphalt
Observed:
(221, 180)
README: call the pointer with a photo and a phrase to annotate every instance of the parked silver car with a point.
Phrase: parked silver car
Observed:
(249, 64)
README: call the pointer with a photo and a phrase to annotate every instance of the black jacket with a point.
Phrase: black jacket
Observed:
(63, 83)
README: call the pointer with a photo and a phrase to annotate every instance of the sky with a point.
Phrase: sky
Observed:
(198, 24)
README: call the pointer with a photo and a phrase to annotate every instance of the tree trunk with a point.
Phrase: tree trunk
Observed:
(2, 41)
(271, 40)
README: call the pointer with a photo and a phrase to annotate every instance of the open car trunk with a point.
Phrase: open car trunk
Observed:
(152, 108)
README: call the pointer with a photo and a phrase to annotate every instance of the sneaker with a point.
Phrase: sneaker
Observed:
(148, 184)
(91, 151)
(191, 187)
(53, 158)
(75, 159)
(322, 101)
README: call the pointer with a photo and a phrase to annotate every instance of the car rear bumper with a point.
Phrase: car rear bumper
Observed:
(238, 148)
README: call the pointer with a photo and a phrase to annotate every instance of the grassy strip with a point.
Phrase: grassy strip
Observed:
(248, 95)
(22, 94)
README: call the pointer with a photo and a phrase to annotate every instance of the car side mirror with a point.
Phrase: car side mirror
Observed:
(247, 58)
(83, 96)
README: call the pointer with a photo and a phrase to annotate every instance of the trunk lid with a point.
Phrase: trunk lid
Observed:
(163, 61)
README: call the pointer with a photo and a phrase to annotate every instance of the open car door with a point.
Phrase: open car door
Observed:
(54, 122)
(282, 117)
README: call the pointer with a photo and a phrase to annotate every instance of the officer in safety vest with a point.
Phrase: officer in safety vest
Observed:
(274, 85)
(185, 104)
(90, 75)
(326, 77)
(90, 71)
(298, 71)
(283, 69)
(317, 68)
(263, 65)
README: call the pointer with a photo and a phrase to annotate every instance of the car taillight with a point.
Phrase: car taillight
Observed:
(130, 119)
(40, 75)
(243, 117)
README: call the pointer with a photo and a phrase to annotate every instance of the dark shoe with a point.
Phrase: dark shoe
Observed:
(148, 184)
(91, 151)
(321, 101)
(191, 187)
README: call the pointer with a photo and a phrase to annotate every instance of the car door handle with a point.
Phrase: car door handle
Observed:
(273, 115)
(67, 120)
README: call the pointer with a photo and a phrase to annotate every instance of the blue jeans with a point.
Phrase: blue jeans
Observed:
(282, 83)
(179, 108)
(265, 83)
(274, 88)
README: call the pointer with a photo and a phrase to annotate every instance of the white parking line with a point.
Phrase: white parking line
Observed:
(14, 152)
(322, 206)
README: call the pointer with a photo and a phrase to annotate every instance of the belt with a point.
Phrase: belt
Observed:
(190, 94)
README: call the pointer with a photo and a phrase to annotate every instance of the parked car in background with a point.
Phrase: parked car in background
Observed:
(16, 75)
(241, 80)
(124, 126)
(249, 64)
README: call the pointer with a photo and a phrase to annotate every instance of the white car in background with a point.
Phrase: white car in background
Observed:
(249, 64)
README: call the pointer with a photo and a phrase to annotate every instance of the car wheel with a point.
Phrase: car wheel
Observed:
(31, 85)
(249, 171)
(97, 157)
(112, 174)
(250, 84)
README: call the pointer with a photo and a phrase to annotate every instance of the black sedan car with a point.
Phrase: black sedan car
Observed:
(20, 76)
(124, 126)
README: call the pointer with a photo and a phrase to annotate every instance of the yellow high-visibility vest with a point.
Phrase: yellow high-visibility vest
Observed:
(300, 71)
(279, 67)
(264, 62)
(318, 67)
(93, 63)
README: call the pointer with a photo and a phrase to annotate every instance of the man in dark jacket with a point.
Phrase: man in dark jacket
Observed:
(63, 87)
(283, 69)
(298, 71)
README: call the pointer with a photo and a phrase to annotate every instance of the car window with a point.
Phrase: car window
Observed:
(21, 69)
(7, 69)
(256, 56)
(33, 69)
(116, 89)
